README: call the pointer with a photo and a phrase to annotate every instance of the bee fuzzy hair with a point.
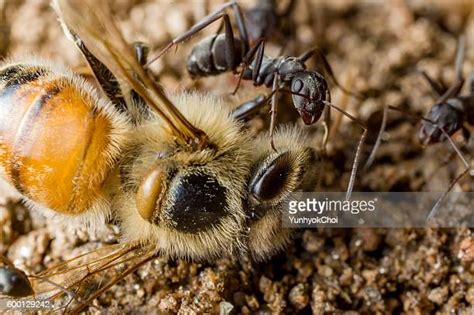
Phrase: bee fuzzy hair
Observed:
(228, 163)
(99, 211)
(266, 235)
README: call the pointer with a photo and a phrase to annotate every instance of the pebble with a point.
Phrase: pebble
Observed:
(438, 295)
(298, 296)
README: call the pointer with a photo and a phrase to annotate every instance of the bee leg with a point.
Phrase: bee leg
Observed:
(327, 68)
(107, 81)
(247, 110)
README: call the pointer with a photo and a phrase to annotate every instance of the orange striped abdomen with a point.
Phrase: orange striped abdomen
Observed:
(57, 143)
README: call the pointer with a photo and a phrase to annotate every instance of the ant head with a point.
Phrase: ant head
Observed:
(309, 93)
(445, 116)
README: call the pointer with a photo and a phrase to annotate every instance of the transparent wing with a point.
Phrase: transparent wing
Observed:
(74, 284)
(92, 21)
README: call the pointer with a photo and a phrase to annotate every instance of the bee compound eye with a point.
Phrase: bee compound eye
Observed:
(270, 182)
(148, 195)
(199, 203)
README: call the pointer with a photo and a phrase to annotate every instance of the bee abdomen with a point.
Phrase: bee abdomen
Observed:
(57, 141)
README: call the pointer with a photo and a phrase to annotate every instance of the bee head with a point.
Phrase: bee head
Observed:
(190, 201)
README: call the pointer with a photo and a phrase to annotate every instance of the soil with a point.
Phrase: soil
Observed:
(374, 48)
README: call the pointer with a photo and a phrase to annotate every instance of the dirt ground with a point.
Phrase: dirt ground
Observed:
(373, 47)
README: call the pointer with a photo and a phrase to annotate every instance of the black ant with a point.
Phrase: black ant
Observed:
(13, 281)
(450, 113)
(224, 52)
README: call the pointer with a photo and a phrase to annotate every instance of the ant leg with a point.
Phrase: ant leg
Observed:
(438, 203)
(327, 68)
(355, 165)
(257, 50)
(141, 52)
(469, 102)
(443, 163)
(378, 141)
(460, 58)
(467, 169)
(273, 111)
(239, 19)
(436, 86)
(206, 21)
(457, 84)
(344, 101)
(248, 109)
(326, 124)
(466, 134)
(471, 83)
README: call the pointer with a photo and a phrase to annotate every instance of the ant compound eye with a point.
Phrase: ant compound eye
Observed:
(310, 93)
(149, 192)
(199, 203)
(297, 86)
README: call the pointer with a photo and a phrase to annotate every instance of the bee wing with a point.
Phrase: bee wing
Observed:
(93, 22)
(78, 281)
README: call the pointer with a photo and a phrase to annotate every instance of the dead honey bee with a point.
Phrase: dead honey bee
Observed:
(179, 172)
